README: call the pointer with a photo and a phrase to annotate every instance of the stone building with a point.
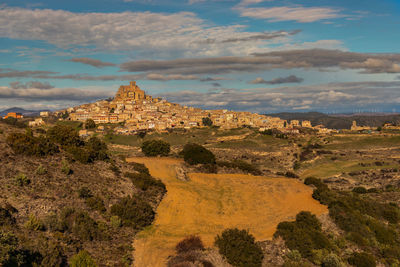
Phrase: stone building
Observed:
(129, 93)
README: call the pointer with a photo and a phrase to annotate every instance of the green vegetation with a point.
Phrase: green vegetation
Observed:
(96, 203)
(239, 248)
(207, 121)
(156, 148)
(82, 259)
(189, 253)
(145, 181)
(362, 260)
(34, 223)
(197, 154)
(133, 212)
(241, 165)
(14, 122)
(367, 223)
(304, 235)
(90, 124)
(29, 145)
(21, 179)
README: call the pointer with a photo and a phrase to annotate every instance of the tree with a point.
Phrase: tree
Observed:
(197, 154)
(156, 148)
(90, 124)
(207, 121)
(65, 115)
(239, 248)
(133, 212)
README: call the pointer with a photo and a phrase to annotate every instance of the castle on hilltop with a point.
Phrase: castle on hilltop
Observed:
(130, 92)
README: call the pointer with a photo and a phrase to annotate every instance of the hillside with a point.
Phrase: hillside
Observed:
(340, 121)
(53, 206)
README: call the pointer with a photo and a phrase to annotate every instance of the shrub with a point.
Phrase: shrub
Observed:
(239, 248)
(65, 167)
(29, 145)
(332, 260)
(34, 223)
(316, 182)
(145, 181)
(6, 217)
(241, 165)
(22, 180)
(359, 190)
(41, 170)
(291, 175)
(133, 212)
(53, 256)
(304, 234)
(96, 203)
(207, 121)
(362, 260)
(80, 224)
(64, 135)
(156, 148)
(189, 243)
(84, 192)
(115, 221)
(197, 154)
(90, 124)
(82, 259)
(97, 149)
(139, 167)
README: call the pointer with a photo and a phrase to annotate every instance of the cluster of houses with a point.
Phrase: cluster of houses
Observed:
(139, 111)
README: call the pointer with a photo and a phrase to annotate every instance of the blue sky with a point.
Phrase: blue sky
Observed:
(254, 55)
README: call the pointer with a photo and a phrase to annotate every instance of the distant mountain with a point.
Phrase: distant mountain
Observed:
(341, 121)
(22, 111)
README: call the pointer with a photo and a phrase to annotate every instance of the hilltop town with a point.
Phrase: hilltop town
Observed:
(140, 111)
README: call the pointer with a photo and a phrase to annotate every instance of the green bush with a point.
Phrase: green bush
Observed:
(94, 149)
(145, 181)
(362, 260)
(34, 223)
(139, 167)
(90, 124)
(304, 234)
(80, 224)
(95, 203)
(84, 192)
(239, 248)
(197, 154)
(64, 135)
(22, 180)
(207, 121)
(241, 165)
(332, 260)
(41, 170)
(29, 145)
(82, 259)
(359, 190)
(133, 212)
(6, 218)
(115, 221)
(65, 167)
(154, 148)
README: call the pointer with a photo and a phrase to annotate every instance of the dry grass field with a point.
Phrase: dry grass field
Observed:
(209, 203)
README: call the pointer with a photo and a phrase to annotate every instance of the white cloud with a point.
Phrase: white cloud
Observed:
(152, 34)
(284, 13)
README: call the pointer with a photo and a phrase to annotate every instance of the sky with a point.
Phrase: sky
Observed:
(263, 56)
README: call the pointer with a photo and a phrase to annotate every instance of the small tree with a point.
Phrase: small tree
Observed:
(90, 124)
(197, 154)
(156, 148)
(207, 121)
(239, 248)
(82, 259)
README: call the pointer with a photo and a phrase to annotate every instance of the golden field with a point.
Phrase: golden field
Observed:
(210, 203)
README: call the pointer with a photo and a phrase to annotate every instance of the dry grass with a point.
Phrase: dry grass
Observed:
(209, 203)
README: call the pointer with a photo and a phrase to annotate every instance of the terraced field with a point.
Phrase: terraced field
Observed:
(209, 203)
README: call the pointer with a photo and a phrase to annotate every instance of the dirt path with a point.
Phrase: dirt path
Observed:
(209, 203)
